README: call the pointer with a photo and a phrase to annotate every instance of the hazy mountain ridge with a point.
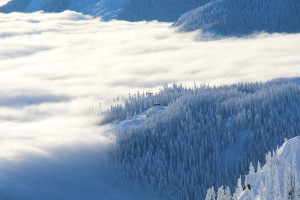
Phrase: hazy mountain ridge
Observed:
(131, 10)
(214, 18)
(104, 8)
(239, 18)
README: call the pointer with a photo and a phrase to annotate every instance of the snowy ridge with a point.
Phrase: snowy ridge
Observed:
(238, 18)
(105, 8)
(276, 180)
(131, 10)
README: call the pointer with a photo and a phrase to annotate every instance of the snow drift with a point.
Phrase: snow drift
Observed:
(243, 17)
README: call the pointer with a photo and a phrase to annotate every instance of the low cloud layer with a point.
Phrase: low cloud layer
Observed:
(56, 69)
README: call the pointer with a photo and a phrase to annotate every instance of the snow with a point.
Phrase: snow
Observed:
(107, 9)
(139, 119)
(230, 18)
(289, 150)
(3, 2)
(66, 63)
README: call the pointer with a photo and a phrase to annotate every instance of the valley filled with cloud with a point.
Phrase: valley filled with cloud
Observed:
(57, 69)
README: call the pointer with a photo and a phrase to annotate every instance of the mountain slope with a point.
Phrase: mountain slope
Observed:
(161, 10)
(105, 8)
(204, 130)
(277, 180)
(243, 17)
(131, 10)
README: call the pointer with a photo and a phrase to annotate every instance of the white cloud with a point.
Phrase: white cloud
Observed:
(56, 68)
(3, 2)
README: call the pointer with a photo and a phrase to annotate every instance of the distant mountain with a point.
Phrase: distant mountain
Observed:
(243, 17)
(131, 10)
(161, 10)
(214, 18)
(204, 136)
(107, 9)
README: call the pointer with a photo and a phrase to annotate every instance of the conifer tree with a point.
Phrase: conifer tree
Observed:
(210, 195)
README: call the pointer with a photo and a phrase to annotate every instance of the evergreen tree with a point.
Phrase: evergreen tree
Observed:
(210, 195)
(227, 195)
(239, 187)
(277, 194)
(221, 193)
(251, 169)
(248, 194)
(258, 167)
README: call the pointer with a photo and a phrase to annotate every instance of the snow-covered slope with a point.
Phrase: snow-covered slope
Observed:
(236, 18)
(106, 8)
(139, 119)
(276, 180)
(131, 10)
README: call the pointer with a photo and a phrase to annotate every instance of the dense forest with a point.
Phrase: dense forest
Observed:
(206, 136)
(243, 17)
(30, 6)
(214, 18)
(161, 10)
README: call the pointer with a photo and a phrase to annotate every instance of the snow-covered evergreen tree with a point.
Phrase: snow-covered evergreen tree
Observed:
(251, 169)
(221, 193)
(278, 178)
(258, 167)
(227, 194)
(261, 191)
(239, 186)
(277, 194)
(248, 194)
(210, 195)
(289, 183)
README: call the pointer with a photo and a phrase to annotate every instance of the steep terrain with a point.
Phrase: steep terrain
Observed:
(161, 10)
(104, 8)
(277, 180)
(131, 10)
(205, 137)
(244, 17)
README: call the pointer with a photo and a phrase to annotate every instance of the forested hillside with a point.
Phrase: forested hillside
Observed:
(105, 8)
(214, 18)
(243, 17)
(131, 10)
(161, 10)
(207, 136)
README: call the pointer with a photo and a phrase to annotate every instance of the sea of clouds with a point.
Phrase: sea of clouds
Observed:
(57, 69)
